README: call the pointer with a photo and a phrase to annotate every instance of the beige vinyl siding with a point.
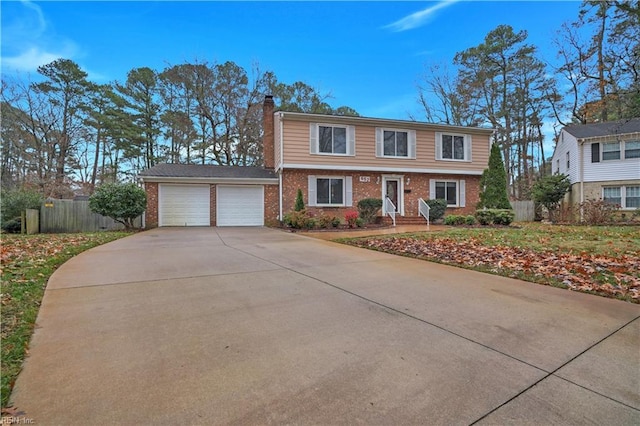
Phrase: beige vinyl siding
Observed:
(297, 150)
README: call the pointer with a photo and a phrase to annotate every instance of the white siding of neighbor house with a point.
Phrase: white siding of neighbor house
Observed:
(610, 170)
(603, 171)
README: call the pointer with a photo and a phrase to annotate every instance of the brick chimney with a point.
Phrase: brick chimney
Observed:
(268, 142)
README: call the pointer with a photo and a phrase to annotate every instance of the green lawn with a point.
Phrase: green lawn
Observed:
(27, 263)
(604, 260)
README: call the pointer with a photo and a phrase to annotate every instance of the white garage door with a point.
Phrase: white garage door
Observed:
(184, 205)
(240, 205)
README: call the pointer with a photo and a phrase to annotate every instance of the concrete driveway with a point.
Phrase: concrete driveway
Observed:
(257, 326)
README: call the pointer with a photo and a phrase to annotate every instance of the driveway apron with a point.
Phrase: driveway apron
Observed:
(259, 326)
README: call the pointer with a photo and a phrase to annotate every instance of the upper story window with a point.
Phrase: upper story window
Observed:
(331, 139)
(610, 151)
(632, 149)
(395, 143)
(568, 161)
(453, 147)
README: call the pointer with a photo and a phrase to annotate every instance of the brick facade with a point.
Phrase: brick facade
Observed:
(416, 185)
(151, 214)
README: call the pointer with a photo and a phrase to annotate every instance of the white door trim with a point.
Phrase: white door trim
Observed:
(400, 180)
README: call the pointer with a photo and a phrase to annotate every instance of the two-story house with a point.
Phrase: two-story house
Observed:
(335, 161)
(602, 161)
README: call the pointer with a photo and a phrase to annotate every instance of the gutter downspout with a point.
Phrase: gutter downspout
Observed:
(279, 166)
(581, 154)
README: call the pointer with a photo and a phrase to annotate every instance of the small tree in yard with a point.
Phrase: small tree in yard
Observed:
(299, 206)
(493, 183)
(550, 190)
(122, 202)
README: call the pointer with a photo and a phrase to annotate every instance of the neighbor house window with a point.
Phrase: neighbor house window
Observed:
(331, 140)
(568, 161)
(632, 149)
(632, 197)
(333, 191)
(453, 147)
(395, 143)
(611, 151)
(612, 195)
(453, 191)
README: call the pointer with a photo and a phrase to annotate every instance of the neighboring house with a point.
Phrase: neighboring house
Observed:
(602, 161)
(336, 161)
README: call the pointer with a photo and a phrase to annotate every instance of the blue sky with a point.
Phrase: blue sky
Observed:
(369, 54)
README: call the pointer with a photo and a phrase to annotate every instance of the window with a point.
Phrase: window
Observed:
(335, 191)
(611, 151)
(632, 149)
(568, 161)
(558, 166)
(451, 190)
(447, 191)
(453, 147)
(632, 197)
(330, 191)
(331, 140)
(395, 143)
(612, 195)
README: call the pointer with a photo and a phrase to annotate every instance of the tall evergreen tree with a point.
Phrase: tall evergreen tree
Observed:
(493, 183)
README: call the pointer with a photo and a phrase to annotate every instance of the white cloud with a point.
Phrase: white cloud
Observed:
(419, 18)
(30, 59)
(28, 42)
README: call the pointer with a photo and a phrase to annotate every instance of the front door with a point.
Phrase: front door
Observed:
(392, 188)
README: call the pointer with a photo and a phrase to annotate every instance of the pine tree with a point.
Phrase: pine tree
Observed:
(493, 184)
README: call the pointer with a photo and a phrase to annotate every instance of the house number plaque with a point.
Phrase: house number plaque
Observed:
(365, 179)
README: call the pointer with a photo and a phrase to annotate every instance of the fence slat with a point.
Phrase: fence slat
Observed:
(524, 210)
(75, 216)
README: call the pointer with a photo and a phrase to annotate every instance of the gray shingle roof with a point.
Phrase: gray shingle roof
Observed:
(621, 127)
(208, 171)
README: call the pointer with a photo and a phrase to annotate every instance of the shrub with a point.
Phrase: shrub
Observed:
(122, 202)
(470, 220)
(598, 212)
(351, 217)
(15, 202)
(328, 221)
(436, 208)
(368, 209)
(549, 191)
(455, 220)
(299, 220)
(299, 206)
(13, 226)
(360, 222)
(495, 216)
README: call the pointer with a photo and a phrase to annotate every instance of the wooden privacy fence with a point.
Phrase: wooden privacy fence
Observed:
(524, 210)
(75, 216)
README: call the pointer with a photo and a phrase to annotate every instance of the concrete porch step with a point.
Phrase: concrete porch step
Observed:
(404, 220)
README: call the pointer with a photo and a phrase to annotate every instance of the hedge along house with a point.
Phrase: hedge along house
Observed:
(336, 161)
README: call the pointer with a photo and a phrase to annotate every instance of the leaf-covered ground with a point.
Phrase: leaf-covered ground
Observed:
(604, 260)
(27, 262)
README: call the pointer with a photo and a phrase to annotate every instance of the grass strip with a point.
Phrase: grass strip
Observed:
(27, 263)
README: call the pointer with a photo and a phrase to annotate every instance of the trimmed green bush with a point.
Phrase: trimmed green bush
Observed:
(368, 209)
(122, 202)
(299, 206)
(457, 220)
(299, 220)
(495, 216)
(436, 208)
(15, 202)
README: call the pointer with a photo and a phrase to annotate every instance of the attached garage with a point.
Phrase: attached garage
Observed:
(240, 205)
(184, 205)
(206, 195)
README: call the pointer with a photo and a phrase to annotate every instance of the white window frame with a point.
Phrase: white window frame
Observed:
(347, 190)
(460, 191)
(314, 139)
(625, 149)
(623, 194)
(467, 146)
(602, 151)
(411, 143)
